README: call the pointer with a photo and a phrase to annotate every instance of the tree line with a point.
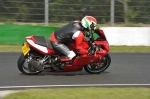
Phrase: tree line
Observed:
(135, 11)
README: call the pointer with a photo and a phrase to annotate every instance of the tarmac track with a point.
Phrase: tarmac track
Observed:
(126, 69)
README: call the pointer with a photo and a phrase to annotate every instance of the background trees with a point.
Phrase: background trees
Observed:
(133, 11)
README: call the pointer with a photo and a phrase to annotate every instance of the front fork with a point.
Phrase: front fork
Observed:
(99, 55)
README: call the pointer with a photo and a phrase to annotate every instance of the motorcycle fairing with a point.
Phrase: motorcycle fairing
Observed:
(78, 63)
(40, 43)
(105, 48)
(85, 59)
(102, 41)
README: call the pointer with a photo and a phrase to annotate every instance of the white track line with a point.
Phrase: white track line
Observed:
(76, 85)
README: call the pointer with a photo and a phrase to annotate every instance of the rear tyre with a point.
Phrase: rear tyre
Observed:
(97, 68)
(25, 68)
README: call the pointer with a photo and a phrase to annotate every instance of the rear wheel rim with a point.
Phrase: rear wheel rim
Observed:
(28, 70)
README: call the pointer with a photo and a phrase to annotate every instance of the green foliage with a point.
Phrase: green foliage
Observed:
(69, 10)
(131, 14)
(129, 24)
(22, 10)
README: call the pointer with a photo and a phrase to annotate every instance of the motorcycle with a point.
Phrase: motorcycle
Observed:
(38, 55)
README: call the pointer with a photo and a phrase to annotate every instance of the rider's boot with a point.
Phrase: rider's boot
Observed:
(71, 57)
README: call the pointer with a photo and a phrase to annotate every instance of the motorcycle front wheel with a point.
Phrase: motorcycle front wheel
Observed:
(25, 68)
(98, 67)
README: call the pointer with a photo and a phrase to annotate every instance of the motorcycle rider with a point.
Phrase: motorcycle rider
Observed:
(73, 32)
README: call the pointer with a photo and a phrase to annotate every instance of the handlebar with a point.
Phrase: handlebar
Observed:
(91, 37)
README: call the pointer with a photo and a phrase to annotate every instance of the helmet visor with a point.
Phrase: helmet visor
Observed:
(93, 26)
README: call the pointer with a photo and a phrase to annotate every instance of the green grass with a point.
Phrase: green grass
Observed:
(140, 49)
(82, 93)
(15, 34)
(10, 48)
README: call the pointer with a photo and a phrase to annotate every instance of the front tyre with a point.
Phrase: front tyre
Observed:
(25, 68)
(99, 66)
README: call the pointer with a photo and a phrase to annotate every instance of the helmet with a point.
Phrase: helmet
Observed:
(89, 22)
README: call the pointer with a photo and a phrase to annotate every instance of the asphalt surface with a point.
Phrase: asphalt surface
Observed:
(125, 69)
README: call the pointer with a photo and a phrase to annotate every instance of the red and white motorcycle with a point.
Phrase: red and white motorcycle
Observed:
(38, 55)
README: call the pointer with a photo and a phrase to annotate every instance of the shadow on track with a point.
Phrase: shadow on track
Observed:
(65, 73)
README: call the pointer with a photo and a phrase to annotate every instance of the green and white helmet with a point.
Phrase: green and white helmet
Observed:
(89, 22)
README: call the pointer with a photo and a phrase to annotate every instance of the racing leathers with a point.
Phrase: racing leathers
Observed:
(72, 32)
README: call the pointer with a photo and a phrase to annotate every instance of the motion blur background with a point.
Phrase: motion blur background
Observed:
(107, 12)
(56, 13)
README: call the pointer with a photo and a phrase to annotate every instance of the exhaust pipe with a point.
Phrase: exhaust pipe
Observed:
(36, 65)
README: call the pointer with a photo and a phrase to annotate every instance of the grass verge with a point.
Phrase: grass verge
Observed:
(140, 49)
(10, 48)
(82, 93)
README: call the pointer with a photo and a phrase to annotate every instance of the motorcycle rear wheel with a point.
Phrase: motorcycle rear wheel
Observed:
(96, 69)
(22, 66)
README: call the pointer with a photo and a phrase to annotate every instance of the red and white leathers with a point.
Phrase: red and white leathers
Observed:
(72, 32)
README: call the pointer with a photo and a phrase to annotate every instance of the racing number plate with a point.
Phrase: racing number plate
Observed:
(25, 49)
